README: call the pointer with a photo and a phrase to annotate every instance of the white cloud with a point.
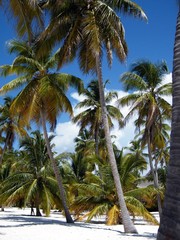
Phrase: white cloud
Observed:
(64, 139)
(167, 78)
(123, 136)
(77, 97)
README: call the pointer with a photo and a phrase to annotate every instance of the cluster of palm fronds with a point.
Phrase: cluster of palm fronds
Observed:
(92, 187)
(27, 179)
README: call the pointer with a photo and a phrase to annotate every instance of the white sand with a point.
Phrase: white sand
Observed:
(16, 224)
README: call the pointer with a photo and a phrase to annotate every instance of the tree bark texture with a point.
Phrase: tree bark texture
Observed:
(170, 220)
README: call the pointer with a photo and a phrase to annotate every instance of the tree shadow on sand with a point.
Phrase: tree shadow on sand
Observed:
(15, 221)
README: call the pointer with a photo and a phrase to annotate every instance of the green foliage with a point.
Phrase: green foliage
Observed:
(92, 116)
(43, 89)
(27, 16)
(87, 28)
(32, 183)
(95, 195)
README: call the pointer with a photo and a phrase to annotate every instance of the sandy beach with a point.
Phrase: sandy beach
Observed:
(17, 224)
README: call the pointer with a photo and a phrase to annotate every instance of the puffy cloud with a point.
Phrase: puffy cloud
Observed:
(167, 78)
(64, 139)
(123, 136)
(77, 97)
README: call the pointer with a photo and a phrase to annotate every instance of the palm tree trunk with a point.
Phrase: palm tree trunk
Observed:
(170, 224)
(127, 222)
(56, 171)
(38, 213)
(96, 138)
(155, 175)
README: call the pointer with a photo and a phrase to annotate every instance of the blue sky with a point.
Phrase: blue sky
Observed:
(152, 40)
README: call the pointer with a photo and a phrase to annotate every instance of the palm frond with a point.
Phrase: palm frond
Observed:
(113, 216)
(137, 208)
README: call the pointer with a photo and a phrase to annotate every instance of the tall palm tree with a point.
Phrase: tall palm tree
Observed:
(169, 224)
(89, 28)
(145, 78)
(92, 116)
(43, 96)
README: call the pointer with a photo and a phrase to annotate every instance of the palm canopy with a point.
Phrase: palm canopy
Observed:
(43, 87)
(8, 126)
(87, 27)
(27, 15)
(92, 115)
(33, 181)
(147, 99)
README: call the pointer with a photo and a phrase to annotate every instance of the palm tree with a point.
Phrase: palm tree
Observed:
(8, 126)
(148, 102)
(90, 27)
(43, 97)
(92, 116)
(169, 224)
(33, 181)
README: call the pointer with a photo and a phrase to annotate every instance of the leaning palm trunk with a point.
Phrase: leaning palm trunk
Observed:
(155, 176)
(56, 171)
(127, 223)
(170, 224)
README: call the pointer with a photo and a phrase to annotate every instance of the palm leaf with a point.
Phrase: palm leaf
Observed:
(137, 208)
(113, 216)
